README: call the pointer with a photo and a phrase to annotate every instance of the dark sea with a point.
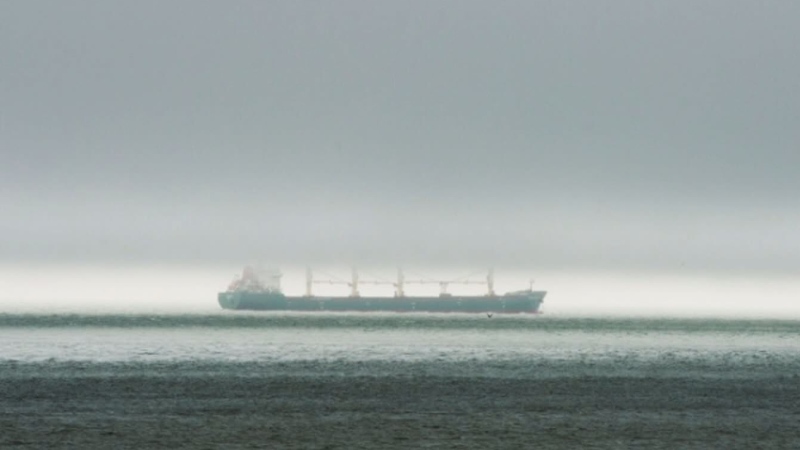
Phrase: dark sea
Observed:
(369, 381)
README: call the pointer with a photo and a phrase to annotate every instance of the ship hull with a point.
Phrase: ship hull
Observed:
(527, 302)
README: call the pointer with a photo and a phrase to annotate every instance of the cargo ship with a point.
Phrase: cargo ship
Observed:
(260, 290)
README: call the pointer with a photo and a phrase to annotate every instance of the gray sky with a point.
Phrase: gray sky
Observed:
(608, 135)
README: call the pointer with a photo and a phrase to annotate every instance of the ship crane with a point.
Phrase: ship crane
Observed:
(399, 284)
(401, 281)
(354, 283)
(444, 284)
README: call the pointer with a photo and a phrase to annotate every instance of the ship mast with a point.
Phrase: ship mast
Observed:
(400, 280)
(309, 282)
(490, 283)
(354, 284)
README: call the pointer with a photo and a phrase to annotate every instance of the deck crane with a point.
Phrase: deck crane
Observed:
(353, 283)
(399, 284)
(443, 284)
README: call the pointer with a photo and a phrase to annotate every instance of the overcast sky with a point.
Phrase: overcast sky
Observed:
(609, 135)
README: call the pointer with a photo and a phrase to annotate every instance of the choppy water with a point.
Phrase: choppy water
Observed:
(275, 338)
(366, 381)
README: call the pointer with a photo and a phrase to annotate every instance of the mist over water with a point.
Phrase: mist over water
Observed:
(632, 158)
(190, 289)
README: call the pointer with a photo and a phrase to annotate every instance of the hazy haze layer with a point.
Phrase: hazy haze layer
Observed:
(542, 134)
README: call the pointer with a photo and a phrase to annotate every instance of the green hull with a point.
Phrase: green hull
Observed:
(522, 302)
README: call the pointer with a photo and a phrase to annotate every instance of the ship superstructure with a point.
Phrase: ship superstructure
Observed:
(260, 290)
